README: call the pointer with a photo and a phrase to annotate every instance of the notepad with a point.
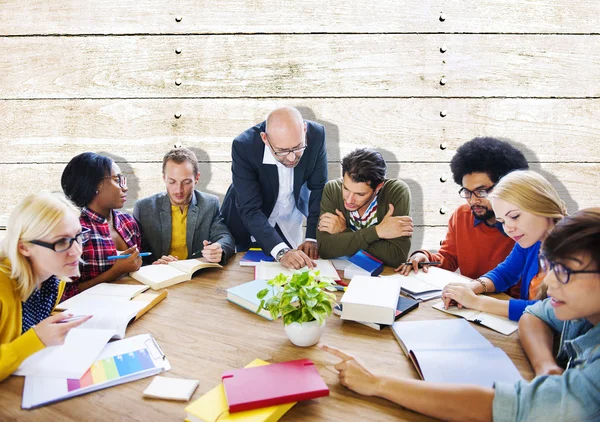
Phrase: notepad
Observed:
(371, 299)
(270, 270)
(119, 362)
(271, 385)
(213, 405)
(452, 351)
(497, 323)
(171, 388)
(166, 275)
(244, 295)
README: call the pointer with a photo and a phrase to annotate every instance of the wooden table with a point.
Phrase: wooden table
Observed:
(203, 335)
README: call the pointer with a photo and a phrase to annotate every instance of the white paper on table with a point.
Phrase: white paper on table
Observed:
(69, 360)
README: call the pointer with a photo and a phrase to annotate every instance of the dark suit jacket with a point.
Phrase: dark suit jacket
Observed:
(252, 196)
(204, 222)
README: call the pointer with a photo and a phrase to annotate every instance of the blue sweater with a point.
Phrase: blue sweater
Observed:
(520, 264)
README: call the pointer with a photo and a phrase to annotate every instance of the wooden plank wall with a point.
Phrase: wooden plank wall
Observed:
(414, 79)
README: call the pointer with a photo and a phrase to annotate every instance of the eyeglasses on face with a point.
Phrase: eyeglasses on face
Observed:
(479, 193)
(119, 178)
(65, 243)
(286, 152)
(562, 273)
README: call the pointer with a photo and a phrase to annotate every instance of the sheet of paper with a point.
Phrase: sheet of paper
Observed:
(70, 360)
(269, 270)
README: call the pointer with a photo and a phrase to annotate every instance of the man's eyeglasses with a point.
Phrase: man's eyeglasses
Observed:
(66, 243)
(562, 273)
(119, 178)
(479, 193)
(286, 152)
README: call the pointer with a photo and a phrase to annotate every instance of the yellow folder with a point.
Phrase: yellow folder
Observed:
(212, 407)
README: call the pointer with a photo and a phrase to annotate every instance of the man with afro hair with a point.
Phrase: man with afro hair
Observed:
(475, 242)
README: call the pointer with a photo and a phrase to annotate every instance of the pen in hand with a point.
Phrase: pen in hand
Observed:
(127, 255)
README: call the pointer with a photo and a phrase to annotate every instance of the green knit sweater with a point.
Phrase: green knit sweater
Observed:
(391, 251)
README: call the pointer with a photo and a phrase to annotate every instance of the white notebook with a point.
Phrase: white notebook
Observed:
(171, 388)
(371, 299)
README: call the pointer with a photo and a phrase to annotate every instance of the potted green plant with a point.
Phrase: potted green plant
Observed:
(303, 300)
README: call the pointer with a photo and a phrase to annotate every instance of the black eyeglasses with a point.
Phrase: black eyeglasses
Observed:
(287, 151)
(562, 273)
(479, 193)
(65, 243)
(119, 178)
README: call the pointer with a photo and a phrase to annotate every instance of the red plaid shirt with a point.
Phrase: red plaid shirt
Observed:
(100, 245)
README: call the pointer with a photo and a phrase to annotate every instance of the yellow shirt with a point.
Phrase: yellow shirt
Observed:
(14, 346)
(178, 246)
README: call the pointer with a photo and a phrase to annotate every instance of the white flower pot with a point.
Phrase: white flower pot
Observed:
(304, 334)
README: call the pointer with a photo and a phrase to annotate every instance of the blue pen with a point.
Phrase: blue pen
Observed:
(127, 255)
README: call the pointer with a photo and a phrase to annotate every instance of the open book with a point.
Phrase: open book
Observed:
(165, 275)
(270, 270)
(116, 293)
(428, 285)
(497, 323)
(453, 351)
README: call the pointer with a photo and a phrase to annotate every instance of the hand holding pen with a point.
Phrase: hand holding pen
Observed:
(130, 260)
(416, 261)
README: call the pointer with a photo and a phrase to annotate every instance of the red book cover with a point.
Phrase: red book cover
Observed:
(271, 385)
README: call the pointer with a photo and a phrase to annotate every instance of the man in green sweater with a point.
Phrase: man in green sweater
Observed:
(364, 210)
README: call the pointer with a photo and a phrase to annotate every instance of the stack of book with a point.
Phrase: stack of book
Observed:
(371, 299)
(259, 392)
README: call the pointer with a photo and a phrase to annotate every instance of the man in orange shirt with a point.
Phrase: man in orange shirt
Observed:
(475, 242)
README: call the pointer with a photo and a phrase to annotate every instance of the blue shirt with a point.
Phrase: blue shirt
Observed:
(572, 396)
(520, 264)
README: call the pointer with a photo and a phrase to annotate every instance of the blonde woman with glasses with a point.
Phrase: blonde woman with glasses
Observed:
(42, 246)
(528, 208)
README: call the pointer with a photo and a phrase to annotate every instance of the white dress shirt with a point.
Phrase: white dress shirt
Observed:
(285, 213)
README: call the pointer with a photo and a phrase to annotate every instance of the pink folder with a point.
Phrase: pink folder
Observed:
(270, 385)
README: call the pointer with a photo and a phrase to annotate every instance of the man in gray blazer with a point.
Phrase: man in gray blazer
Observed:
(183, 223)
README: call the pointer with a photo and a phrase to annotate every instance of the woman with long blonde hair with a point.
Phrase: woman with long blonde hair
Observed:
(42, 246)
(528, 207)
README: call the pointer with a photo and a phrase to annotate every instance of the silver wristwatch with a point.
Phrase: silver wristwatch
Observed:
(281, 253)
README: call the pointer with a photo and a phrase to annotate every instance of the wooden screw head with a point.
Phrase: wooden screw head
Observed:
(178, 18)
(178, 50)
(443, 48)
(177, 82)
(443, 113)
(443, 81)
(443, 179)
(443, 146)
(177, 115)
(442, 17)
(443, 211)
